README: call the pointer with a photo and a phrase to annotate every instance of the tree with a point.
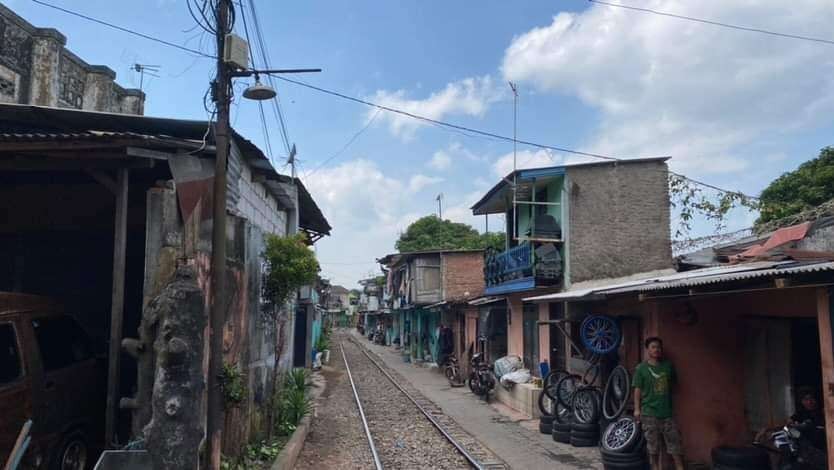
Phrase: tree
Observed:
(432, 233)
(795, 191)
(290, 264)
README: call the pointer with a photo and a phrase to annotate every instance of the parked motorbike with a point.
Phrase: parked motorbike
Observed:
(481, 379)
(795, 450)
(379, 335)
(452, 371)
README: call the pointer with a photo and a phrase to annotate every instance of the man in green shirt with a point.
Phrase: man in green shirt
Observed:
(653, 382)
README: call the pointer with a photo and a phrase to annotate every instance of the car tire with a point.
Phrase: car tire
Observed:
(586, 406)
(584, 427)
(583, 442)
(563, 437)
(625, 432)
(546, 419)
(559, 427)
(73, 452)
(622, 457)
(637, 465)
(545, 428)
(742, 457)
(585, 435)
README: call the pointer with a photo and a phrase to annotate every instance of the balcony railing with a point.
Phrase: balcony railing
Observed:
(525, 266)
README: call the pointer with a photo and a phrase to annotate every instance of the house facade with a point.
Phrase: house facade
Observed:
(428, 290)
(565, 225)
(71, 177)
(744, 334)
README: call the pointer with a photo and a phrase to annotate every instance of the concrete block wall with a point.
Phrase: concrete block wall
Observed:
(619, 220)
(462, 275)
(259, 207)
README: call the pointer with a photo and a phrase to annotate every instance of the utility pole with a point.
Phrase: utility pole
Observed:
(440, 206)
(222, 83)
(515, 179)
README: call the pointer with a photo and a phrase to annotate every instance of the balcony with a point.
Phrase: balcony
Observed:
(524, 267)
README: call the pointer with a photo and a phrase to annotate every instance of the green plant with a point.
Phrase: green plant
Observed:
(297, 379)
(290, 264)
(234, 387)
(294, 405)
(323, 342)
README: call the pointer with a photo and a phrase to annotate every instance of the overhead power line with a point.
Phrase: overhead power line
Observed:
(716, 23)
(347, 144)
(126, 30)
(493, 135)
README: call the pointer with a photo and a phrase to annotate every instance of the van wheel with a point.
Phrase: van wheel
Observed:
(73, 453)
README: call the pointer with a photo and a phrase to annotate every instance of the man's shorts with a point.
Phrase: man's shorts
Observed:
(656, 428)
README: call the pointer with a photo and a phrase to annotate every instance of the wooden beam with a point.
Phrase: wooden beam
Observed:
(825, 322)
(104, 180)
(148, 153)
(116, 308)
(43, 164)
(48, 145)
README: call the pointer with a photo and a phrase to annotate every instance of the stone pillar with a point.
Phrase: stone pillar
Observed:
(98, 89)
(47, 44)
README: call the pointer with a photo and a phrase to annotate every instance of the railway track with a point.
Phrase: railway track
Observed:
(470, 452)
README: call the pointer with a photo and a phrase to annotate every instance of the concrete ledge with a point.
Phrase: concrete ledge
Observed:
(523, 398)
(289, 454)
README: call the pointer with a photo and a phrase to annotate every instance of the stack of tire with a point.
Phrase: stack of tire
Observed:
(739, 458)
(546, 424)
(623, 446)
(585, 404)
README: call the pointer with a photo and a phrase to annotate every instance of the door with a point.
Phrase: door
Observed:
(71, 389)
(558, 355)
(531, 338)
(15, 387)
(299, 341)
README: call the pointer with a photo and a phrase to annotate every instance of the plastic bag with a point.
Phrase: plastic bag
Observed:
(519, 376)
(507, 364)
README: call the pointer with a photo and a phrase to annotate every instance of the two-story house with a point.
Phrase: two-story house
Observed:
(568, 224)
(429, 289)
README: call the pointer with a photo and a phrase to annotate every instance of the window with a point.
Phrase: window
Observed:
(61, 342)
(10, 369)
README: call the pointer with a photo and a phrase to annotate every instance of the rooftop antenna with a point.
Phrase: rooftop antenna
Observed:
(143, 69)
(439, 200)
(291, 160)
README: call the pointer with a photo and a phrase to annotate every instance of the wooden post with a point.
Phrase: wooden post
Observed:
(825, 311)
(117, 307)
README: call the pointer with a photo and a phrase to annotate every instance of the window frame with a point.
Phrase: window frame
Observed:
(21, 362)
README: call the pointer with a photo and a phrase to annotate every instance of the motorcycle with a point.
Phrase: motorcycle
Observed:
(481, 380)
(795, 449)
(379, 335)
(452, 371)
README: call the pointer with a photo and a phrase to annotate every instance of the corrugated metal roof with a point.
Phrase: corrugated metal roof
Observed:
(51, 136)
(698, 277)
(753, 273)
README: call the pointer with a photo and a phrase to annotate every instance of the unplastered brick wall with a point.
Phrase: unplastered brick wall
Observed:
(619, 219)
(463, 275)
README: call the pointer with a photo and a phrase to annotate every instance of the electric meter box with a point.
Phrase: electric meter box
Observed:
(236, 51)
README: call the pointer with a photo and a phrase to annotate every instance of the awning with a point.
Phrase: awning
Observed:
(437, 305)
(693, 278)
(485, 300)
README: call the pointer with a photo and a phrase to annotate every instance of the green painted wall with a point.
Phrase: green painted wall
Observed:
(554, 194)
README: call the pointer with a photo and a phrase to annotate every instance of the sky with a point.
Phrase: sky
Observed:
(732, 108)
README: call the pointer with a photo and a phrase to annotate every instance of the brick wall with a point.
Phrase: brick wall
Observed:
(463, 275)
(619, 220)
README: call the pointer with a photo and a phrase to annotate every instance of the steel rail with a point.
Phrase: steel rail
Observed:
(472, 460)
(377, 462)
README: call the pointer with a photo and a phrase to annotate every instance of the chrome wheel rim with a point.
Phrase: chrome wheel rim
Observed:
(619, 434)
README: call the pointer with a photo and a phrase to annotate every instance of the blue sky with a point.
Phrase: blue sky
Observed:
(733, 108)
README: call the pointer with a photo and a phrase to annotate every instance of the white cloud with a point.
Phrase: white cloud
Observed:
(419, 182)
(524, 159)
(440, 160)
(470, 96)
(670, 87)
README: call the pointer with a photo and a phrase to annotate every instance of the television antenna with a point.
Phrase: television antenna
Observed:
(150, 70)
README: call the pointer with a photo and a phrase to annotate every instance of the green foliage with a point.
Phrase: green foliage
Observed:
(495, 240)
(257, 456)
(323, 342)
(291, 402)
(806, 187)
(432, 233)
(234, 387)
(290, 264)
(691, 199)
